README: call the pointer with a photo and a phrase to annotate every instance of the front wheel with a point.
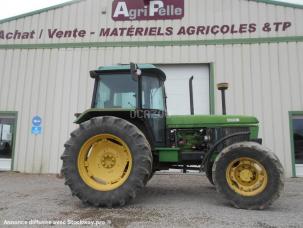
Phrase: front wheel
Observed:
(248, 175)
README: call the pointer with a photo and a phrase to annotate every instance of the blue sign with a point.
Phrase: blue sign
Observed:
(36, 130)
(36, 121)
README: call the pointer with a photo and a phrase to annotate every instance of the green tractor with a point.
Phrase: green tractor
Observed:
(127, 136)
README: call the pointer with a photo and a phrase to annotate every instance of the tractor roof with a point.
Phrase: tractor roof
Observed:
(145, 68)
(126, 67)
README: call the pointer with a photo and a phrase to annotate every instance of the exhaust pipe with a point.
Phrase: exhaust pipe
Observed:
(191, 95)
(222, 87)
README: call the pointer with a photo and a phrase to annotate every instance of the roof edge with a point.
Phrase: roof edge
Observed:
(270, 2)
(279, 3)
(39, 11)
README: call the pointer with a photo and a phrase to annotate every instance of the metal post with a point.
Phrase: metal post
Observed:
(191, 96)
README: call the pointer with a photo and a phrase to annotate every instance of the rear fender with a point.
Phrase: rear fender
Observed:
(126, 114)
(91, 113)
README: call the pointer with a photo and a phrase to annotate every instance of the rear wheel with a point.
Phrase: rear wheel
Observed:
(106, 161)
(248, 175)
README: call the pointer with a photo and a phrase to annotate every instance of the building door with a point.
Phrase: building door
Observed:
(297, 137)
(177, 88)
(7, 129)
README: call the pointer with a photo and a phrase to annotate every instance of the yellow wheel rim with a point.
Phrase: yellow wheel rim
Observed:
(104, 162)
(246, 176)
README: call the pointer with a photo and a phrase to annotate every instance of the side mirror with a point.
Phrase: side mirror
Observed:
(135, 71)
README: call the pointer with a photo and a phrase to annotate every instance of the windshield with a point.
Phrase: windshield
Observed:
(116, 91)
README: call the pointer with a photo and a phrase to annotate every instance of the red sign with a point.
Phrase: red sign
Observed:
(137, 10)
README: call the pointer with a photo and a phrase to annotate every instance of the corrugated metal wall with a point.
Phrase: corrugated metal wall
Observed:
(265, 79)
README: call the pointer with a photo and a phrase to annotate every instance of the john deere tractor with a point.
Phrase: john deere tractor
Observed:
(126, 136)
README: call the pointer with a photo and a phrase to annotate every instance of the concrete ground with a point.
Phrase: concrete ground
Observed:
(174, 200)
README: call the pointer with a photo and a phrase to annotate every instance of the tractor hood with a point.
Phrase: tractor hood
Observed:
(190, 121)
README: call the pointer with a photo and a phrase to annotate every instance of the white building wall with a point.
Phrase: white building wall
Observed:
(265, 79)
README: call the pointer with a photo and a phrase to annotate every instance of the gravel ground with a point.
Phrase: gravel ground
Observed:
(174, 200)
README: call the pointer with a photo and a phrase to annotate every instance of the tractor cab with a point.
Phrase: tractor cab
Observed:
(135, 92)
(120, 87)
